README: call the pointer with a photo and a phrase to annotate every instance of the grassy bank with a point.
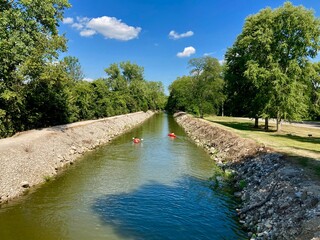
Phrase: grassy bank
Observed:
(300, 143)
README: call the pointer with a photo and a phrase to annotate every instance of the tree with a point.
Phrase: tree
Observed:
(314, 92)
(180, 98)
(47, 98)
(275, 46)
(115, 80)
(101, 99)
(128, 84)
(28, 40)
(207, 84)
(73, 68)
(156, 97)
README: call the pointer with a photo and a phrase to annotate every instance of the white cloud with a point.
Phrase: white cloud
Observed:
(67, 20)
(87, 32)
(187, 52)
(109, 27)
(174, 35)
(113, 28)
(208, 54)
(78, 26)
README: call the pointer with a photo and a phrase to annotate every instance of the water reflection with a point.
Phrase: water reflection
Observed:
(154, 190)
(186, 210)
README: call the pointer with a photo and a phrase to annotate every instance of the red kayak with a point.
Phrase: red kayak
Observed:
(172, 135)
(136, 140)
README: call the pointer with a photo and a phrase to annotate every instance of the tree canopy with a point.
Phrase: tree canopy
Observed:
(202, 91)
(29, 41)
(37, 89)
(270, 58)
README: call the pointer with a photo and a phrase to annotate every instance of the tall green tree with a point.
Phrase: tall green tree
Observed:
(207, 84)
(314, 92)
(275, 47)
(128, 85)
(156, 97)
(73, 68)
(29, 39)
(47, 98)
(180, 98)
(101, 99)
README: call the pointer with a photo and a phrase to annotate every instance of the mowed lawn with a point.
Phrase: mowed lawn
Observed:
(301, 142)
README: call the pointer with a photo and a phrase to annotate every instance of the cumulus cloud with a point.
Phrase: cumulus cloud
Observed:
(187, 52)
(174, 35)
(67, 20)
(113, 28)
(109, 27)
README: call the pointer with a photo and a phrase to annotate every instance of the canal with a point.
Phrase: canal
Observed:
(157, 189)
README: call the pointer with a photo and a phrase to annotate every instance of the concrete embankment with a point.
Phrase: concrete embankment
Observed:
(279, 200)
(30, 158)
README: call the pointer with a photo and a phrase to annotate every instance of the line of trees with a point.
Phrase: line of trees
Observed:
(39, 90)
(201, 92)
(268, 71)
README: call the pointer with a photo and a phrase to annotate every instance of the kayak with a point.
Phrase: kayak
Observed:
(136, 140)
(172, 135)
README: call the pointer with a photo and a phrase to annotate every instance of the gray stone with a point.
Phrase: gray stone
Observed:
(25, 184)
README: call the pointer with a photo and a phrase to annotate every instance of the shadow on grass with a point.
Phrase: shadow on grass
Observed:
(312, 165)
(306, 139)
(245, 126)
(305, 149)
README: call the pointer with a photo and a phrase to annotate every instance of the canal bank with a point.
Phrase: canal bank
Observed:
(33, 157)
(157, 189)
(279, 200)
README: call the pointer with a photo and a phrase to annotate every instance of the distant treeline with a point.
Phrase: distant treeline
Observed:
(39, 90)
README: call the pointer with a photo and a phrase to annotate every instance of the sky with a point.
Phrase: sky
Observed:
(159, 35)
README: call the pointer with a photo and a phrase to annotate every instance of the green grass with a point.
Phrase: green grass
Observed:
(293, 140)
(48, 178)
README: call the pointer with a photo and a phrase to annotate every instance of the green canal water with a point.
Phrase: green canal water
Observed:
(158, 189)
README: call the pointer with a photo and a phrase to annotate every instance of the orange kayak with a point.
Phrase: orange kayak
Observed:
(172, 135)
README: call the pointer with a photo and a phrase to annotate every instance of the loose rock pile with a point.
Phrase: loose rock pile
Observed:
(31, 158)
(279, 201)
(277, 198)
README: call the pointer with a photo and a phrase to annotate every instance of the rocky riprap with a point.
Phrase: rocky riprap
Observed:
(279, 200)
(36, 156)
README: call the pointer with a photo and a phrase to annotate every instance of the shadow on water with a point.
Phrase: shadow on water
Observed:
(185, 210)
(158, 189)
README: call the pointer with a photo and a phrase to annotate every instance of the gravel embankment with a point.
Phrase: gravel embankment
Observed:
(29, 158)
(279, 200)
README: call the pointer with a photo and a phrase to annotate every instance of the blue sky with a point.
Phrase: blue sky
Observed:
(159, 35)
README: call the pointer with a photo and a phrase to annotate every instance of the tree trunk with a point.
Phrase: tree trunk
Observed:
(278, 123)
(222, 110)
(256, 122)
(201, 110)
(266, 124)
